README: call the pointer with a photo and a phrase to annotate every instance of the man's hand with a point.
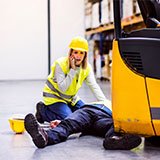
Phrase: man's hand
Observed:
(72, 62)
(54, 123)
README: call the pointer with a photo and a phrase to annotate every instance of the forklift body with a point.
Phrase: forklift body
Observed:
(136, 73)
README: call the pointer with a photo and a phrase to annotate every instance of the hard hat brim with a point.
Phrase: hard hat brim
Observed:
(79, 49)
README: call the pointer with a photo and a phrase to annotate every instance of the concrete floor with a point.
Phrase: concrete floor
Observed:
(21, 97)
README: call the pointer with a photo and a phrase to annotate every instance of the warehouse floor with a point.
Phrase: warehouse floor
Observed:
(21, 97)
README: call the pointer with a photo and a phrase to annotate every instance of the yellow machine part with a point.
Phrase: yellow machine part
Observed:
(130, 105)
(153, 86)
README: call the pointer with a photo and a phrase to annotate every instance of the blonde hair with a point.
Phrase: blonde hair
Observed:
(84, 62)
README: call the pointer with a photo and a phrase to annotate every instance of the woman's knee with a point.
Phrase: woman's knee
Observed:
(57, 111)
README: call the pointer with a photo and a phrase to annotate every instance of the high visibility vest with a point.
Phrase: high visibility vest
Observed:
(51, 91)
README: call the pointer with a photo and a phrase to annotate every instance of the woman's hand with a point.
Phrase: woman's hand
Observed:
(54, 123)
(72, 62)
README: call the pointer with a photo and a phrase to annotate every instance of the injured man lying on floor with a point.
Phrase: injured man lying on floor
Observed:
(91, 119)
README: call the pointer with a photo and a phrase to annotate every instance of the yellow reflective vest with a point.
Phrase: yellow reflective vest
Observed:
(51, 91)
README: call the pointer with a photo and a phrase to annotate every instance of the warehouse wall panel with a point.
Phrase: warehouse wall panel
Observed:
(23, 40)
(67, 21)
(24, 35)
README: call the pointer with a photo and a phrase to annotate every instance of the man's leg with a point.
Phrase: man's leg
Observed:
(48, 113)
(102, 123)
(78, 121)
(115, 141)
(103, 126)
(39, 136)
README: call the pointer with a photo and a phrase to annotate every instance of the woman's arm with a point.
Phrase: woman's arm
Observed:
(62, 79)
(91, 82)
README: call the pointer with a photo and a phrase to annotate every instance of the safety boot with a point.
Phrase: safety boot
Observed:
(38, 134)
(38, 115)
(121, 142)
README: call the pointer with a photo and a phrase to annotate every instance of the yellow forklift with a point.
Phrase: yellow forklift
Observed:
(136, 73)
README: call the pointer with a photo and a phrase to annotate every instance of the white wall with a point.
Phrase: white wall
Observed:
(23, 40)
(23, 35)
(67, 21)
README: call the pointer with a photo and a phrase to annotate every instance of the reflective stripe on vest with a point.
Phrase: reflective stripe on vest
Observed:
(51, 95)
(48, 83)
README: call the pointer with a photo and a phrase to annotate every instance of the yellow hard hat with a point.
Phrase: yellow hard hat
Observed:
(79, 43)
(17, 123)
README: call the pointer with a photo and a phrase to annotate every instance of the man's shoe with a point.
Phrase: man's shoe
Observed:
(39, 136)
(38, 115)
(153, 141)
(122, 142)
